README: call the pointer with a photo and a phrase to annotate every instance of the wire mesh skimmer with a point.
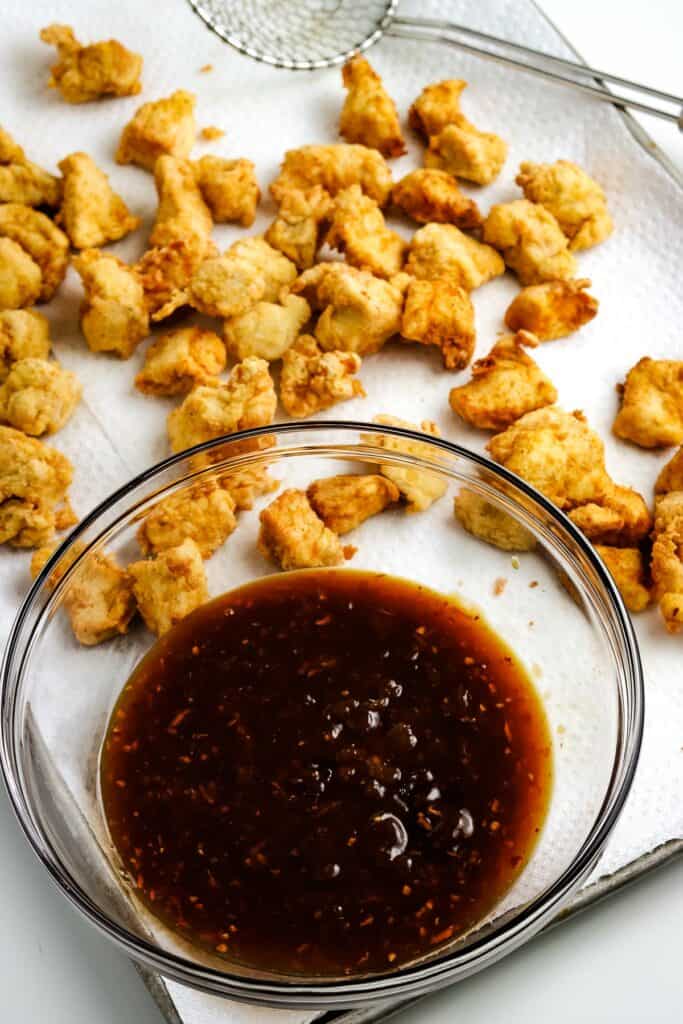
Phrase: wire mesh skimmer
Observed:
(305, 35)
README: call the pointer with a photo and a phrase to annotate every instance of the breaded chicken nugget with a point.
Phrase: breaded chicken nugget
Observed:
(531, 241)
(312, 380)
(552, 310)
(38, 396)
(442, 250)
(667, 559)
(671, 475)
(432, 196)
(440, 313)
(360, 312)
(247, 484)
(651, 413)
(85, 73)
(113, 315)
(22, 181)
(420, 488)
(487, 521)
(20, 277)
(344, 502)
(293, 536)
(92, 214)
(505, 384)
(203, 512)
(300, 223)
(42, 240)
(576, 202)
(250, 271)
(358, 230)
(24, 334)
(179, 360)
(247, 400)
(462, 150)
(369, 114)
(229, 189)
(33, 483)
(165, 273)
(164, 127)
(170, 586)
(182, 214)
(436, 106)
(267, 329)
(334, 168)
(627, 566)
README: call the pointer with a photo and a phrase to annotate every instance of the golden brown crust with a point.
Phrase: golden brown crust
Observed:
(628, 567)
(505, 385)
(34, 478)
(163, 127)
(170, 586)
(436, 106)
(114, 315)
(359, 231)
(485, 520)
(165, 273)
(419, 488)
(344, 502)
(651, 413)
(38, 396)
(553, 309)
(300, 223)
(179, 360)
(182, 214)
(667, 559)
(433, 196)
(293, 536)
(463, 151)
(250, 271)
(442, 314)
(40, 239)
(247, 484)
(20, 277)
(442, 250)
(575, 200)
(204, 512)
(84, 73)
(22, 181)
(229, 189)
(531, 241)
(268, 329)
(92, 214)
(334, 168)
(24, 334)
(369, 114)
(671, 475)
(312, 380)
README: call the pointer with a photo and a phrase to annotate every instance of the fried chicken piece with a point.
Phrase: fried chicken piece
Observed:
(312, 380)
(38, 396)
(41, 239)
(440, 313)
(667, 559)
(463, 151)
(182, 214)
(247, 484)
(670, 477)
(24, 334)
(369, 114)
(562, 457)
(170, 586)
(531, 241)
(552, 310)
(360, 312)
(576, 202)
(490, 523)
(293, 536)
(433, 196)
(334, 167)
(164, 127)
(33, 483)
(505, 384)
(84, 73)
(651, 413)
(20, 277)
(179, 360)
(300, 223)
(203, 512)
(344, 502)
(92, 214)
(420, 488)
(358, 230)
(437, 106)
(229, 189)
(22, 181)
(250, 271)
(627, 566)
(267, 329)
(247, 400)
(442, 250)
(165, 273)
(113, 315)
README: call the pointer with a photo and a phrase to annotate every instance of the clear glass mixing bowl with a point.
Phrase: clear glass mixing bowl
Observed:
(559, 610)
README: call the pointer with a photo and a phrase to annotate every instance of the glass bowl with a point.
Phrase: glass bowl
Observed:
(555, 605)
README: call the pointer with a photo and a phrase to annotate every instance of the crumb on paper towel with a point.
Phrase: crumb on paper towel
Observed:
(211, 132)
(499, 586)
(206, 67)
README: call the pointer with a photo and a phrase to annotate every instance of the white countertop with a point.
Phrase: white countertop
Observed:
(618, 962)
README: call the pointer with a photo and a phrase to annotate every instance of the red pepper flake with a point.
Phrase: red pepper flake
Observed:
(175, 722)
(406, 890)
(441, 936)
(221, 948)
(367, 921)
(324, 621)
(391, 957)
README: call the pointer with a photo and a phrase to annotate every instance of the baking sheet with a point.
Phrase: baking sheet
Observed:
(117, 432)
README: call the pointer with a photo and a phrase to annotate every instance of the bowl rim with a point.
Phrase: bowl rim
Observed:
(515, 928)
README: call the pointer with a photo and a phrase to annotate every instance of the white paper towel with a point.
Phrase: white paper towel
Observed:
(117, 431)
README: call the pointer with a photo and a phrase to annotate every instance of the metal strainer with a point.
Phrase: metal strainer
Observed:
(305, 35)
